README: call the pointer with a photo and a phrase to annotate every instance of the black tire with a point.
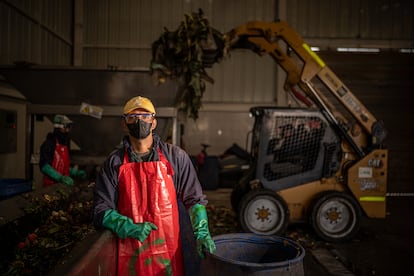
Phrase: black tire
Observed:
(236, 197)
(335, 217)
(242, 188)
(263, 212)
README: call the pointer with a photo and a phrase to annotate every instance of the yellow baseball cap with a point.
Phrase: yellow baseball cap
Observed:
(139, 102)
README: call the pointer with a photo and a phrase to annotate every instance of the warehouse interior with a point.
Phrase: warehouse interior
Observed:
(58, 57)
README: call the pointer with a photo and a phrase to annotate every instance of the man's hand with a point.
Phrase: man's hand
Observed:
(52, 173)
(124, 227)
(78, 173)
(206, 243)
(198, 216)
(66, 180)
(142, 230)
(82, 174)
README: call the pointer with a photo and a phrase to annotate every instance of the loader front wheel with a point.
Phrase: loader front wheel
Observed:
(335, 217)
(263, 212)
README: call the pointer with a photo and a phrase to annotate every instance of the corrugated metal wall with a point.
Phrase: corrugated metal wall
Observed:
(36, 32)
(243, 78)
(120, 34)
(354, 23)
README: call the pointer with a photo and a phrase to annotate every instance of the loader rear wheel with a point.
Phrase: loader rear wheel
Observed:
(263, 212)
(235, 198)
(335, 217)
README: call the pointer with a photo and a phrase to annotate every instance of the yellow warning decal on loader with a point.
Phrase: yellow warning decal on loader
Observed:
(372, 198)
(314, 55)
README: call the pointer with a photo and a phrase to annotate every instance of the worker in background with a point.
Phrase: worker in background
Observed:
(137, 193)
(54, 154)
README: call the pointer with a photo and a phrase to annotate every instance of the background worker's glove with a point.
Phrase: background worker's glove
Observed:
(52, 173)
(78, 173)
(66, 180)
(199, 221)
(124, 226)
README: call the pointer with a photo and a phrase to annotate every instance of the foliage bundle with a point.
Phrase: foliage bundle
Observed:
(184, 55)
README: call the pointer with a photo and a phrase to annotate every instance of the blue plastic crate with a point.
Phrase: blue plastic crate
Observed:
(14, 186)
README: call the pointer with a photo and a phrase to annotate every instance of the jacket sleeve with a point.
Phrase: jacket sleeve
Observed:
(105, 193)
(186, 182)
(47, 151)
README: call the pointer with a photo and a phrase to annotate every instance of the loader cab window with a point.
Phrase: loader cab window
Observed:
(256, 135)
(293, 147)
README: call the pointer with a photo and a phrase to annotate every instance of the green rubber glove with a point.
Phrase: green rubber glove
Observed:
(52, 173)
(199, 221)
(66, 180)
(124, 226)
(78, 173)
(82, 174)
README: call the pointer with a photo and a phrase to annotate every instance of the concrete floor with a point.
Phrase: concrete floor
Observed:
(382, 246)
(384, 83)
(219, 197)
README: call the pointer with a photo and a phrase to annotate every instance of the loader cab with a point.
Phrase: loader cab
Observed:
(292, 146)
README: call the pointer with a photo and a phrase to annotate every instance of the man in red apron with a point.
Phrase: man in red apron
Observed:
(54, 154)
(137, 193)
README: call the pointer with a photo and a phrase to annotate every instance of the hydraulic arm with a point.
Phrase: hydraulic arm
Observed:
(303, 67)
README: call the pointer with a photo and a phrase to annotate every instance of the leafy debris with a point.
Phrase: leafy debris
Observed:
(223, 220)
(184, 55)
(61, 220)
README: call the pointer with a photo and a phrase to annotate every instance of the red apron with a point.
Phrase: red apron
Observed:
(147, 193)
(61, 163)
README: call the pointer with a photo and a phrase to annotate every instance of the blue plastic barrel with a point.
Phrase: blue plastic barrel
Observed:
(252, 254)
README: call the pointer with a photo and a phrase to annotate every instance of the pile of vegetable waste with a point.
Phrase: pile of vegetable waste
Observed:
(222, 220)
(53, 224)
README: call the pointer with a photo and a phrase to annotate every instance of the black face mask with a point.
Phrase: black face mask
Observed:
(140, 129)
(63, 137)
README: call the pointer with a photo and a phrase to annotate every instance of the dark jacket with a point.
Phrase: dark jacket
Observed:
(187, 185)
(47, 149)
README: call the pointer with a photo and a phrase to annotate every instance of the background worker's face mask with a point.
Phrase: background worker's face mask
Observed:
(140, 129)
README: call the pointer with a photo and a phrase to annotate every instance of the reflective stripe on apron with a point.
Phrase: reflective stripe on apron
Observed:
(61, 163)
(147, 194)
